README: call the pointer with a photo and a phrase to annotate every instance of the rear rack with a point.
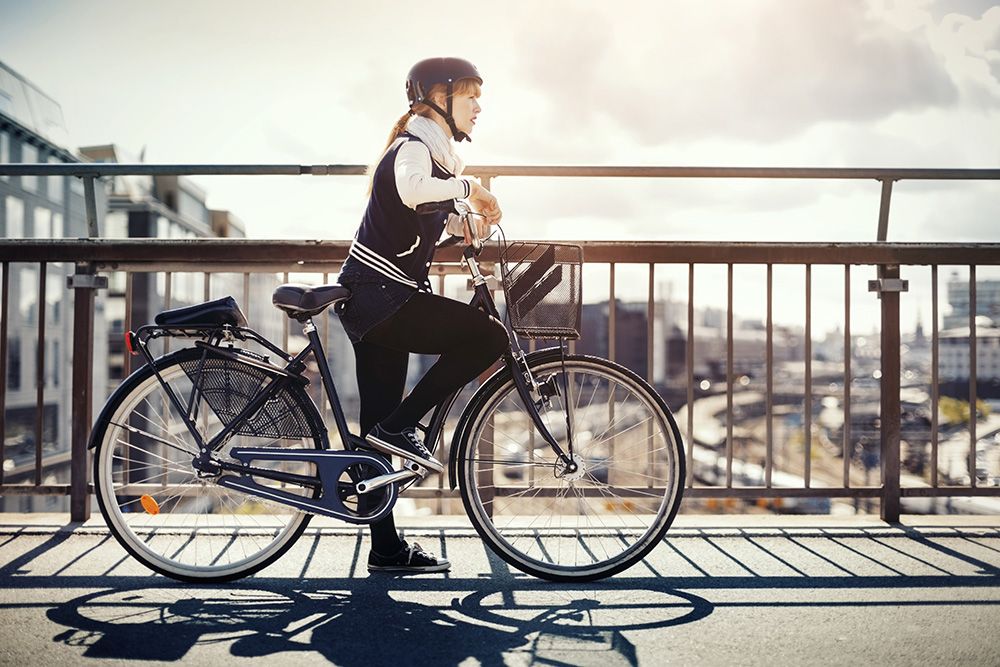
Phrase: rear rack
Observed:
(212, 335)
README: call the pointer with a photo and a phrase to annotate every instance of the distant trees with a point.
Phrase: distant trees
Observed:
(956, 411)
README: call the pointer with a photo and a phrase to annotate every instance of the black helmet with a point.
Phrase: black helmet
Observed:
(426, 73)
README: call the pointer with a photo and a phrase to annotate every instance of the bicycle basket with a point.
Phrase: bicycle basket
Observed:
(542, 286)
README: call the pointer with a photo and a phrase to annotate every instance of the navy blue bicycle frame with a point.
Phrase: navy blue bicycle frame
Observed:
(482, 299)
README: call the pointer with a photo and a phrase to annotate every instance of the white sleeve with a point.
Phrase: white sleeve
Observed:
(414, 181)
(454, 225)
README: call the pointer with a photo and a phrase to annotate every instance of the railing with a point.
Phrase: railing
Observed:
(247, 258)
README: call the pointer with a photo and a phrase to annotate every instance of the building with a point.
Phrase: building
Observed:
(954, 360)
(987, 301)
(32, 130)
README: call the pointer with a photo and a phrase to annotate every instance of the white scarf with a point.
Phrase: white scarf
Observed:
(441, 147)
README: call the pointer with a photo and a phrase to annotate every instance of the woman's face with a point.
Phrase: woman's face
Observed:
(464, 109)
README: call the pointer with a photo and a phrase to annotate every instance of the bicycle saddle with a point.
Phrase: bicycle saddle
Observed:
(303, 301)
(211, 313)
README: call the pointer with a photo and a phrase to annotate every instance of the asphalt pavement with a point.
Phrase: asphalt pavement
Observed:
(731, 590)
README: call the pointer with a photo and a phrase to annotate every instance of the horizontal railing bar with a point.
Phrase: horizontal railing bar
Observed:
(775, 492)
(39, 490)
(737, 172)
(97, 170)
(690, 492)
(704, 492)
(944, 491)
(107, 252)
(440, 269)
(83, 169)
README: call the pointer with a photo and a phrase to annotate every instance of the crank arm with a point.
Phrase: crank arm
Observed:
(375, 483)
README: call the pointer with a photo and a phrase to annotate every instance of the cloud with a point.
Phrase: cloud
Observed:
(678, 71)
(963, 34)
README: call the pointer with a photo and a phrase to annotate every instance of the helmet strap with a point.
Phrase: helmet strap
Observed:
(455, 132)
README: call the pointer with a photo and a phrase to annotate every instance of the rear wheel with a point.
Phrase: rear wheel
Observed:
(174, 519)
(586, 524)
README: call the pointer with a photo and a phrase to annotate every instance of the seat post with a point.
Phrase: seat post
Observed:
(309, 329)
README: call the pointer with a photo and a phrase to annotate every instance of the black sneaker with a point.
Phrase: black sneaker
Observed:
(410, 559)
(405, 444)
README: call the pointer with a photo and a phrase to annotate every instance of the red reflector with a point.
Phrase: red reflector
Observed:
(128, 343)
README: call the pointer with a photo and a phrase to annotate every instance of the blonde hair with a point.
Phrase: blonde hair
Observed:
(461, 87)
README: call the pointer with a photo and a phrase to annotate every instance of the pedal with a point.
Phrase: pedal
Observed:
(413, 466)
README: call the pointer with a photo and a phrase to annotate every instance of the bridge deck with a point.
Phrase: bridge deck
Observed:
(733, 589)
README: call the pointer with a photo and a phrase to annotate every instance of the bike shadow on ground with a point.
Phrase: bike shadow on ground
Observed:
(498, 614)
(375, 620)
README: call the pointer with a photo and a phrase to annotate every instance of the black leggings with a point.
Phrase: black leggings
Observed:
(468, 341)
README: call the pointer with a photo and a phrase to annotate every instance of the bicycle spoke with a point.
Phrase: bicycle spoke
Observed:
(202, 530)
(620, 432)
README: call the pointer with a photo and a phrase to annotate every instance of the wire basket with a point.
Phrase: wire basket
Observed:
(542, 286)
(229, 386)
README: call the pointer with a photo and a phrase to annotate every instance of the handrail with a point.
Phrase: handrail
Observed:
(222, 255)
(253, 251)
(100, 169)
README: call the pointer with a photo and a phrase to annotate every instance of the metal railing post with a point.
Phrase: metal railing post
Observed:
(85, 283)
(888, 287)
(90, 200)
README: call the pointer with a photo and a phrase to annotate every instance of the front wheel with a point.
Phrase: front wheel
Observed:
(597, 520)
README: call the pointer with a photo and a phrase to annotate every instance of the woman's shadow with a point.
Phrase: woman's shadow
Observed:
(366, 622)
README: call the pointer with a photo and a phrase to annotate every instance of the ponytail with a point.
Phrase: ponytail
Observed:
(397, 130)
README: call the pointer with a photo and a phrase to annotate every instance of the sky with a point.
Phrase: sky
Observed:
(787, 83)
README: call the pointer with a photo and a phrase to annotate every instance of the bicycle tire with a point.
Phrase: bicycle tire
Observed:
(489, 470)
(217, 520)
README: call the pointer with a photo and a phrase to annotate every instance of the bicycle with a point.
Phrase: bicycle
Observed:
(570, 467)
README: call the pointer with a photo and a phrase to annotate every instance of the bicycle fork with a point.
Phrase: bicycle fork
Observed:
(524, 383)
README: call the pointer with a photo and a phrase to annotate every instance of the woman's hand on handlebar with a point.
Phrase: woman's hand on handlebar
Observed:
(482, 228)
(483, 201)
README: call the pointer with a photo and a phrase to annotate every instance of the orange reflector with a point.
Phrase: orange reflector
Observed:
(149, 504)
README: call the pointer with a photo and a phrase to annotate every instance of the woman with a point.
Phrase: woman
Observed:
(392, 311)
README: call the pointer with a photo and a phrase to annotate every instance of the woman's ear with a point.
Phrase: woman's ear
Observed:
(440, 98)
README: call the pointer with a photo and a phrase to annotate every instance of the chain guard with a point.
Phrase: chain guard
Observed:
(331, 466)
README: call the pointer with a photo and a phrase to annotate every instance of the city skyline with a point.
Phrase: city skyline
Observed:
(864, 83)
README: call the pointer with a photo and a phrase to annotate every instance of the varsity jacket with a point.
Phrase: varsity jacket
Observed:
(393, 238)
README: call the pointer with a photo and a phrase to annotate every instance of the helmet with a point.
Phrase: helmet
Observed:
(426, 73)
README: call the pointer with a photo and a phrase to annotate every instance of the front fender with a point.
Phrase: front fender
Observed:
(475, 404)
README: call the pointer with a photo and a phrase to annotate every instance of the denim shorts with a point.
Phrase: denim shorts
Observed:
(374, 298)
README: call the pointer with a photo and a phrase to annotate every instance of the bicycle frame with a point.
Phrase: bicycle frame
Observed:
(290, 373)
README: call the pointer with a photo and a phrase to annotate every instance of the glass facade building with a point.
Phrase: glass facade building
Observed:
(32, 131)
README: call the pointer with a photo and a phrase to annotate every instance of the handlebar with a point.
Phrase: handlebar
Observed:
(461, 209)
